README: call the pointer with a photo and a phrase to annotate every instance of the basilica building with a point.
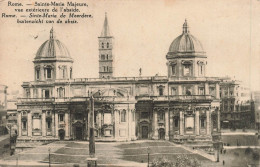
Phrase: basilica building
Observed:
(180, 106)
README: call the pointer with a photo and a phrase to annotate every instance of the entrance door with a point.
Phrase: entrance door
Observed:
(61, 134)
(144, 132)
(161, 134)
(78, 133)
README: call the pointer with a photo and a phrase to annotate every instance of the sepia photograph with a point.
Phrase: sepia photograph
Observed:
(129, 83)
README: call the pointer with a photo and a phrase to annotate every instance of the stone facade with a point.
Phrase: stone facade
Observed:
(181, 106)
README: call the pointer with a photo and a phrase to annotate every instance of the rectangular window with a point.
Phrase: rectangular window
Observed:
(24, 124)
(174, 91)
(35, 93)
(202, 123)
(46, 94)
(186, 70)
(176, 122)
(28, 94)
(61, 117)
(49, 125)
(102, 57)
(173, 69)
(212, 91)
(201, 91)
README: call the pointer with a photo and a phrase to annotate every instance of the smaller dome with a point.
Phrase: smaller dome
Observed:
(52, 48)
(186, 42)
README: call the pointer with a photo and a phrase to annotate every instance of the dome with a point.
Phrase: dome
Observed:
(52, 48)
(186, 42)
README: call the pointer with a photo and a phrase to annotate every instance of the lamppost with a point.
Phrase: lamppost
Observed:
(49, 149)
(148, 156)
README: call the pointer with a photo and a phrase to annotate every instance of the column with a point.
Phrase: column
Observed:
(29, 123)
(171, 131)
(43, 123)
(53, 124)
(19, 118)
(100, 123)
(56, 124)
(66, 125)
(218, 119)
(208, 122)
(129, 118)
(155, 125)
(218, 91)
(166, 124)
(181, 123)
(197, 123)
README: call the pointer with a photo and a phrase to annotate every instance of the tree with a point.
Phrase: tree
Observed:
(182, 161)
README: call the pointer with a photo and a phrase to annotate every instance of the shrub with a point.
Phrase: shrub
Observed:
(181, 161)
(162, 162)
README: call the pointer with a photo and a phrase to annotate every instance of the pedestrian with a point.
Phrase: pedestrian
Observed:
(223, 162)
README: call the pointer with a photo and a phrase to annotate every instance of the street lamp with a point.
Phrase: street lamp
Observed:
(49, 149)
(148, 157)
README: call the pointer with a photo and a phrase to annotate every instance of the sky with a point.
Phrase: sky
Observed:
(143, 32)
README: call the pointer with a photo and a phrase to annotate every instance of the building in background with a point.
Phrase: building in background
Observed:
(256, 99)
(237, 110)
(3, 109)
(184, 105)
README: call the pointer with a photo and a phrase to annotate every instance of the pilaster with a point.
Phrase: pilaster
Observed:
(181, 123)
(66, 125)
(19, 121)
(166, 124)
(43, 123)
(197, 123)
(29, 123)
(155, 124)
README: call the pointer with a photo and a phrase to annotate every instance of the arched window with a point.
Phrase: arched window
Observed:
(107, 69)
(201, 70)
(123, 116)
(107, 45)
(160, 91)
(102, 45)
(107, 57)
(48, 72)
(37, 73)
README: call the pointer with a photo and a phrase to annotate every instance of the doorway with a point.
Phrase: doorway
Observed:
(144, 132)
(61, 134)
(161, 134)
(78, 133)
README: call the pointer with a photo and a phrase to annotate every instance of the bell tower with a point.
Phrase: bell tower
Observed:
(105, 52)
